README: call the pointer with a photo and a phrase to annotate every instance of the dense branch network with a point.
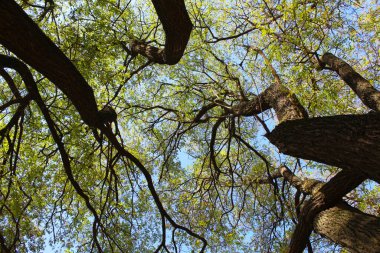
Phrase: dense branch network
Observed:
(36, 49)
(335, 140)
(350, 142)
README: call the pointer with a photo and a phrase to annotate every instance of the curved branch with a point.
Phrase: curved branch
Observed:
(24, 38)
(177, 26)
(10, 83)
(212, 147)
(361, 86)
(22, 69)
(324, 196)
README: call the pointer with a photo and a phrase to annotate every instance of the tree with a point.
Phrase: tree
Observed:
(86, 153)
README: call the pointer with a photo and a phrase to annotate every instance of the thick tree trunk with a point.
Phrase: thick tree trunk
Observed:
(357, 231)
(361, 86)
(177, 26)
(323, 197)
(341, 223)
(24, 38)
(346, 141)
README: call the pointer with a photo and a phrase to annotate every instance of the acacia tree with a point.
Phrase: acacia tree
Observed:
(101, 174)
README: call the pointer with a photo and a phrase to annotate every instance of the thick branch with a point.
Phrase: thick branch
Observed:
(24, 38)
(361, 86)
(357, 231)
(252, 107)
(10, 83)
(331, 217)
(284, 103)
(346, 141)
(307, 186)
(323, 198)
(276, 96)
(177, 26)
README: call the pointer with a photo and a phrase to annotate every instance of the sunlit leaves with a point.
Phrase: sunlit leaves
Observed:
(157, 106)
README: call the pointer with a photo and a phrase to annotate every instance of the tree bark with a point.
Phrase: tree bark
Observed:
(24, 38)
(284, 103)
(361, 86)
(323, 197)
(346, 141)
(341, 223)
(357, 231)
(277, 96)
(177, 26)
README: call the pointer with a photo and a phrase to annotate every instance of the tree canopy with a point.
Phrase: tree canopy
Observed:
(189, 126)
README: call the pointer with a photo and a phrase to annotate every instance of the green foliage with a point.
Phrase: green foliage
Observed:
(156, 106)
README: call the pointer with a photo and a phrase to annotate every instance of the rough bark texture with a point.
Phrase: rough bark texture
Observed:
(323, 197)
(177, 26)
(306, 186)
(346, 141)
(341, 223)
(284, 103)
(365, 91)
(357, 231)
(24, 38)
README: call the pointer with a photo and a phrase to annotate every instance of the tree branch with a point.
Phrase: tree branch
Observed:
(177, 26)
(345, 141)
(24, 38)
(323, 197)
(361, 86)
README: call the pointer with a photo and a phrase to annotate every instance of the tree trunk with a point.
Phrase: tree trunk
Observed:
(357, 231)
(342, 224)
(346, 141)
(324, 196)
